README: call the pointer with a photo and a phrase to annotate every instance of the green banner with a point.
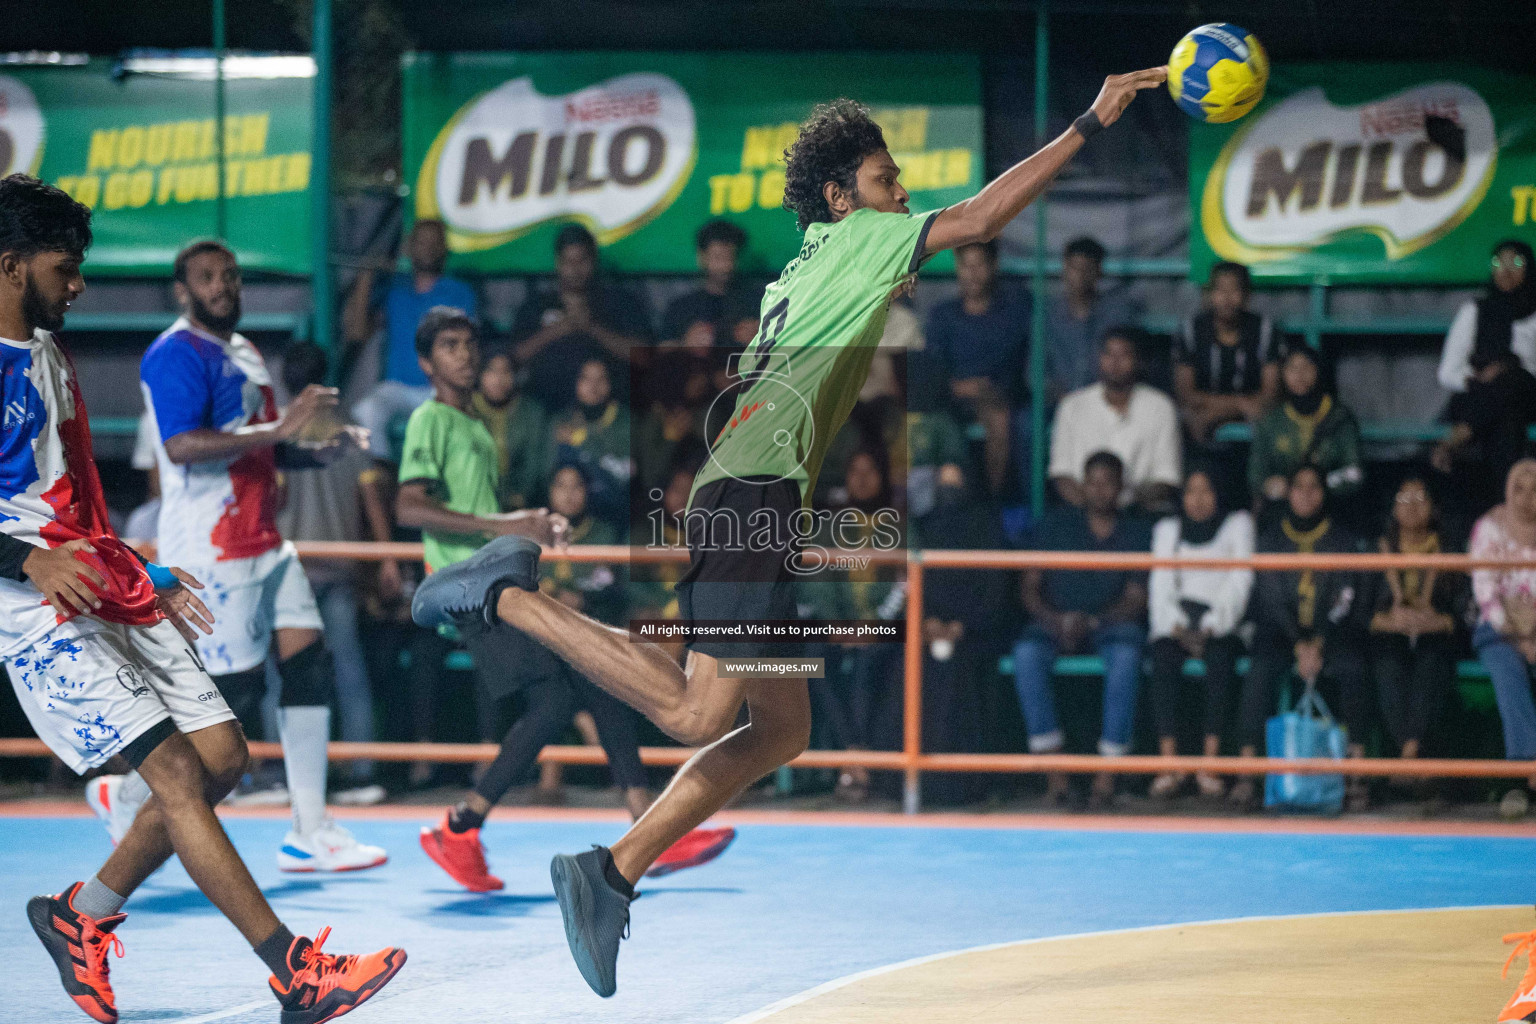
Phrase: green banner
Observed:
(643, 148)
(1386, 173)
(139, 148)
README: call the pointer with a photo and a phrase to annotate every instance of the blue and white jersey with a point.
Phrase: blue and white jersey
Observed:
(50, 493)
(222, 510)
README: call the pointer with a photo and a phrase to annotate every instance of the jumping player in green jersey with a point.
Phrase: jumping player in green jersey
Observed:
(797, 382)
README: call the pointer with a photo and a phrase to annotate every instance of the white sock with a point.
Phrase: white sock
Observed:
(305, 732)
(132, 791)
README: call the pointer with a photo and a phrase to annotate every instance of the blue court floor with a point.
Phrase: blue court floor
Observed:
(787, 908)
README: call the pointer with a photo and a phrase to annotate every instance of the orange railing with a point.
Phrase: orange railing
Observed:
(911, 760)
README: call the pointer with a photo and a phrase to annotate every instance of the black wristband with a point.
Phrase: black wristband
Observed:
(1088, 125)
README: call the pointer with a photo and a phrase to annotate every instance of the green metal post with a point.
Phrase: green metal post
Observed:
(1037, 382)
(322, 296)
(220, 214)
(1317, 297)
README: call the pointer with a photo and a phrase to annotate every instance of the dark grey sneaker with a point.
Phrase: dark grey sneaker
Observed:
(596, 917)
(468, 589)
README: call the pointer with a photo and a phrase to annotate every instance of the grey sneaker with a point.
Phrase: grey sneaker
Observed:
(596, 917)
(468, 589)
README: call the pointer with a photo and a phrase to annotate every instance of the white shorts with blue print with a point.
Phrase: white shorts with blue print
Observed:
(249, 598)
(90, 687)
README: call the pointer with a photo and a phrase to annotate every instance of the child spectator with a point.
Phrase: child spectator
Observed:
(519, 428)
(1195, 613)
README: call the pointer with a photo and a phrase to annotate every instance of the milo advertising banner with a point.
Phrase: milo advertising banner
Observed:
(1370, 173)
(137, 144)
(644, 148)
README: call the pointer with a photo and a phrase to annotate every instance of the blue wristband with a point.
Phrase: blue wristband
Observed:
(161, 577)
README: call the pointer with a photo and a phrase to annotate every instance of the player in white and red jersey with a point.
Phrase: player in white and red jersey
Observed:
(97, 643)
(218, 438)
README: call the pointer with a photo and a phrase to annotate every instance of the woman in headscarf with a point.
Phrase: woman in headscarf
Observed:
(1503, 320)
(1505, 637)
(1195, 613)
(1310, 427)
(1413, 631)
(1487, 365)
(1309, 619)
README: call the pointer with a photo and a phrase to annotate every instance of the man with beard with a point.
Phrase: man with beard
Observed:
(97, 642)
(219, 440)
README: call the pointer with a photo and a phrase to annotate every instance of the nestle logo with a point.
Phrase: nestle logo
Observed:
(613, 107)
(1380, 120)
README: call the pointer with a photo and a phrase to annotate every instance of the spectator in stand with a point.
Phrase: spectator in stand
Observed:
(1310, 427)
(593, 433)
(677, 393)
(1414, 629)
(520, 428)
(1505, 637)
(1137, 423)
(1079, 317)
(398, 307)
(1195, 613)
(723, 309)
(1314, 620)
(1226, 368)
(556, 330)
(344, 499)
(1503, 320)
(1490, 431)
(982, 337)
(1078, 610)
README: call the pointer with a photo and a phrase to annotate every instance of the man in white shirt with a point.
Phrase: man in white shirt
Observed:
(1136, 422)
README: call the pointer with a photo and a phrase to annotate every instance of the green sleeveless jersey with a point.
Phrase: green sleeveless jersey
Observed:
(816, 337)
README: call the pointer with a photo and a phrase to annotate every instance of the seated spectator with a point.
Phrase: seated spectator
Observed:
(982, 337)
(1079, 317)
(344, 499)
(1414, 630)
(397, 307)
(1505, 637)
(1135, 422)
(1504, 320)
(520, 428)
(593, 433)
(677, 394)
(556, 330)
(723, 309)
(1490, 424)
(1195, 613)
(903, 335)
(1075, 611)
(1310, 427)
(1309, 619)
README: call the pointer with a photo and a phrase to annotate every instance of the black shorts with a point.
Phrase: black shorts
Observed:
(732, 582)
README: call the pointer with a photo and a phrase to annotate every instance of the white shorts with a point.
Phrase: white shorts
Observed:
(90, 687)
(249, 598)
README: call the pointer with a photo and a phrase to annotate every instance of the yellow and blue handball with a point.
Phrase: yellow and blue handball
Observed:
(1218, 72)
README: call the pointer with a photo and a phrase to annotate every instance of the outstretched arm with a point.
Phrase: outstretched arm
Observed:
(983, 216)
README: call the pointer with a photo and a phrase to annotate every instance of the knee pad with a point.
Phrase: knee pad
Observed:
(243, 692)
(307, 678)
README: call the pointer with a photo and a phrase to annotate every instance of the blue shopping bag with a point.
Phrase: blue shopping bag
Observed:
(1307, 731)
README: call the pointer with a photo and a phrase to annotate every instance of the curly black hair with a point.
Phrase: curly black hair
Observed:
(833, 141)
(36, 217)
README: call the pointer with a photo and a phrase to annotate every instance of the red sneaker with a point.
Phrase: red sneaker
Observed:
(326, 986)
(700, 846)
(462, 855)
(1522, 1005)
(78, 945)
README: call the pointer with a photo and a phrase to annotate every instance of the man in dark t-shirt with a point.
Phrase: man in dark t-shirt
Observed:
(1227, 357)
(722, 311)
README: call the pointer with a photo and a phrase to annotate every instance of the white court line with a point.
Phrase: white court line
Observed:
(837, 983)
(222, 1014)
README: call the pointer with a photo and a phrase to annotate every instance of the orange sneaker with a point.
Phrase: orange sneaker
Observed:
(1522, 1005)
(700, 846)
(78, 945)
(326, 986)
(462, 855)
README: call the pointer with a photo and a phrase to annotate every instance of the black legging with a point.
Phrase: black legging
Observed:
(865, 709)
(507, 661)
(1168, 656)
(1412, 680)
(1345, 686)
